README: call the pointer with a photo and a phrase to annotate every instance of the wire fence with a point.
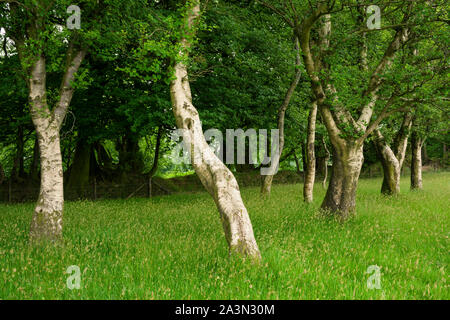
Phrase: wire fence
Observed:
(11, 193)
(94, 190)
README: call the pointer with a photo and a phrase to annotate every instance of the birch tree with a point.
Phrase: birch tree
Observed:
(392, 158)
(351, 115)
(29, 27)
(214, 175)
(48, 38)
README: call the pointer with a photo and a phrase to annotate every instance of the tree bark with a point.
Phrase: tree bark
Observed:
(267, 180)
(325, 164)
(156, 155)
(297, 164)
(47, 218)
(392, 160)
(341, 193)
(155, 162)
(416, 161)
(348, 151)
(390, 164)
(48, 215)
(310, 170)
(214, 175)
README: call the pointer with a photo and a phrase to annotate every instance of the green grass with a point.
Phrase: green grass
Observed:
(173, 248)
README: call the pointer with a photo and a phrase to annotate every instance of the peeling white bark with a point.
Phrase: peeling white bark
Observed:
(48, 214)
(47, 221)
(310, 170)
(416, 161)
(214, 175)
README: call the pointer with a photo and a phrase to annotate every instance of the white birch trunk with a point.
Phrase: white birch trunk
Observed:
(416, 162)
(47, 220)
(214, 175)
(310, 170)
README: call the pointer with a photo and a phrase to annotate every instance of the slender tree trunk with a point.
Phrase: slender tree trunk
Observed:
(267, 180)
(390, 164)
(297, 164)
(156, 155)
(266, 185)
(392, 160)
(325, 163)
(325, 173)
(310, 170)
(416, 161)
(214, 175)
(155, 162)
(341, 194)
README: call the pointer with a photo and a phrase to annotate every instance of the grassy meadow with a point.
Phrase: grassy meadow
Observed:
(173, 248)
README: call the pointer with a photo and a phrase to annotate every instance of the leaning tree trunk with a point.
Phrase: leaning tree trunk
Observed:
(391, 166)
(416, 161)
(214, 175)
(341, 194)
(391, 174)
(267, 180)
(310, 170)
(392, 159)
